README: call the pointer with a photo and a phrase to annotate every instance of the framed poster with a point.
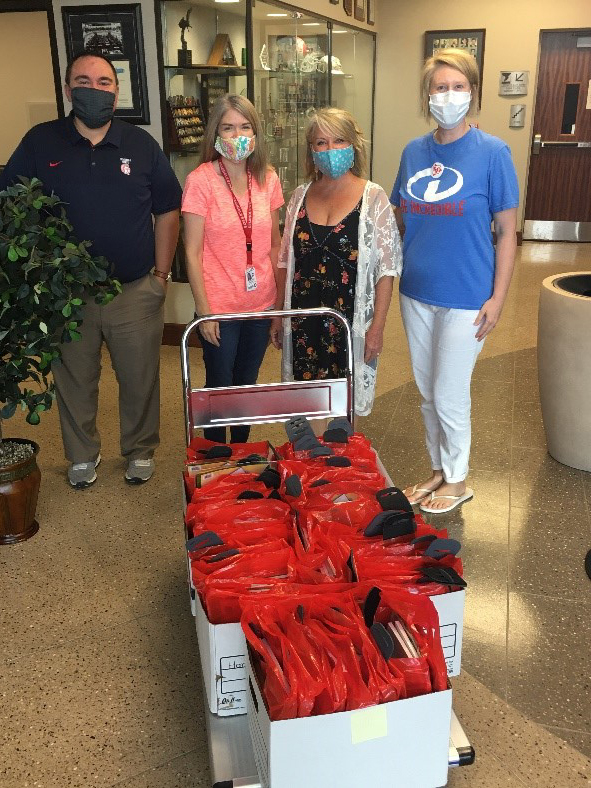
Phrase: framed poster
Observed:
(470, 40)
(348, 6)
(114, 31)
(371, 12)
(360, 10)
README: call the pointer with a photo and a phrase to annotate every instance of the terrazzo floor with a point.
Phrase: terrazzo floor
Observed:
(99, 673)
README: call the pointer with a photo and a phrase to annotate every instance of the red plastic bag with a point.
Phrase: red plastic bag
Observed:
(314, 472)
(407, 571)
(384, 604)
(211, 512)
(357, 447)
(342, 663)
(273, 559)
(229, 487)
(223, 599)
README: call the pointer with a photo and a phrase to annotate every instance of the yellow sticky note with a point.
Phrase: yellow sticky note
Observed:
(368, 724)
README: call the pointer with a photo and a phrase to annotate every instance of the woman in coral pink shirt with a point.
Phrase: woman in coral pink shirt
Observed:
(231, 224)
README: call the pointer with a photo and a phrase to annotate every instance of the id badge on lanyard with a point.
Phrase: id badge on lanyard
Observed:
(249, 274)
(251, 278)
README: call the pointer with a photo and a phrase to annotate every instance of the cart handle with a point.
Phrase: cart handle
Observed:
(267, 314)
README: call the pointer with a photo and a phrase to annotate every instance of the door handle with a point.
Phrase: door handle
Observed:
(538, 144)
(565, 144)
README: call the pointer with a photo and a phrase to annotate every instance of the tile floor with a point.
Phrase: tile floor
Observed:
(99, 676)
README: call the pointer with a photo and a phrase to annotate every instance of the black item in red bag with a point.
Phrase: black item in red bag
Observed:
(387, 604)
(202, 450)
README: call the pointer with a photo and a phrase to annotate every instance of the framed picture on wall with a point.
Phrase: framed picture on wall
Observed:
(348, 6)
(360, 10)
(371, 12)
(470, 40)
(114, 31)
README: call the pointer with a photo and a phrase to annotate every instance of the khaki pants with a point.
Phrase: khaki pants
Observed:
(131, 326)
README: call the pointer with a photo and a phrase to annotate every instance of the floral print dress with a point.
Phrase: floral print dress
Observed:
(325, 275)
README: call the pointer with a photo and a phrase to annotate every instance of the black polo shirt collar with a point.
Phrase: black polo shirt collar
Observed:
(112, 137)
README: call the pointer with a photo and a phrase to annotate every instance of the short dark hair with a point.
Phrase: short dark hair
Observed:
(89, 54)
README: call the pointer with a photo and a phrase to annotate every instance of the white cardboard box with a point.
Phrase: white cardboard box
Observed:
(222, 648)
(403, 744)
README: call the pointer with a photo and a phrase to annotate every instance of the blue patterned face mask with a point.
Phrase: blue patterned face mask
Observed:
(334, 162)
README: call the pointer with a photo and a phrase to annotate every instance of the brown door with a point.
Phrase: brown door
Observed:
(558, 205)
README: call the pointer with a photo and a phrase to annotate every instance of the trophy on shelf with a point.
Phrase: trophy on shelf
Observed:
(185, 56)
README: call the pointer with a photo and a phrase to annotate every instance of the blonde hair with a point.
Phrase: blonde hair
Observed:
(338, 123)
(257, 162)
(459, 59)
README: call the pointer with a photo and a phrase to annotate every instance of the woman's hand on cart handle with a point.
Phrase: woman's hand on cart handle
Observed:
(276, 332)
(211, 332)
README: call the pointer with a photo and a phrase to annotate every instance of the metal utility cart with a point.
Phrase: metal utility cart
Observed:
(230, 749)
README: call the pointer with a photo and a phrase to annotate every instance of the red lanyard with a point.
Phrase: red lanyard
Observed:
(246, 223)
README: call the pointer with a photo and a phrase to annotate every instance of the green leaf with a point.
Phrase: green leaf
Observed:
(77, 301)
(33, 418)
(37, 204)
(8, 410)
(75, 335)
(12, 254)
(67, 310)
(43, 327)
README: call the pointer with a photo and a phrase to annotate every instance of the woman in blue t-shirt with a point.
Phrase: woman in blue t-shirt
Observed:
(451, 184)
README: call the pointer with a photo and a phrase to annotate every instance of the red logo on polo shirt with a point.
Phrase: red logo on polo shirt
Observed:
(126, 166)
(54, 163)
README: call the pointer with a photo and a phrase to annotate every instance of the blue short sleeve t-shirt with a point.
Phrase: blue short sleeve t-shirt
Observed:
(448, 195)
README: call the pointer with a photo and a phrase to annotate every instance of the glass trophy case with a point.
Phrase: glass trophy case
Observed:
(291, 79)
(203, 56)
(286, 61)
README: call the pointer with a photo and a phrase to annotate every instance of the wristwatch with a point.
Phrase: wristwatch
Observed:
(166, 275)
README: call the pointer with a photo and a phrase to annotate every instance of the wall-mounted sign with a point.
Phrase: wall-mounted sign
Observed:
(517, 116)
(513, 83)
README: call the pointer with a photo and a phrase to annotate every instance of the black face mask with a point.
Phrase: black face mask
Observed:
(93, 107)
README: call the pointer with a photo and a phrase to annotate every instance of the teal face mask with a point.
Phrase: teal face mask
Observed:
(334, 162)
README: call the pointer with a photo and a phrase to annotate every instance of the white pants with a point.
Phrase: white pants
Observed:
(443, 351)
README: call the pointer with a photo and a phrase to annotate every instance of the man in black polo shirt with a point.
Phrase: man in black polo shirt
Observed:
(122, 195)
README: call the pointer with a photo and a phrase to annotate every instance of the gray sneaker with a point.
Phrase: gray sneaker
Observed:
(83, 474)
(139, 471)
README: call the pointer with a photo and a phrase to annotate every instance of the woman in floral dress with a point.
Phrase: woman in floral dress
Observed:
(341, 248)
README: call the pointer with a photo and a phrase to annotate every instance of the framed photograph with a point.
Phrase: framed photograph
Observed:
(470, 40)
(348, 6)
(371, 12)
(360, 10)
(335, 2)
(114, 31)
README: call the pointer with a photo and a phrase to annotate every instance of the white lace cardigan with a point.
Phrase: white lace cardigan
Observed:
(380, 254)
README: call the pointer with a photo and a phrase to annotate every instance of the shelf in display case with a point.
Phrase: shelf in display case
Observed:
(285, 72)
(185, 149)
(229, 71)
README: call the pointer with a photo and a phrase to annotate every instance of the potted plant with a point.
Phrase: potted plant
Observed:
(45, 276)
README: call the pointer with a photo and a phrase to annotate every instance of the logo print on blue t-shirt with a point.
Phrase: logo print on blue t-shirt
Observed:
(442, 183)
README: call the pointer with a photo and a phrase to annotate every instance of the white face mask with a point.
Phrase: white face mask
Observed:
(449, 108)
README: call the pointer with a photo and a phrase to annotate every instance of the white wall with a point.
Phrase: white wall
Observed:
(29, 94)
(512, 43)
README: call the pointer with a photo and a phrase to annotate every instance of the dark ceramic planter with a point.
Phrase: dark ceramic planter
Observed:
(19, 488)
